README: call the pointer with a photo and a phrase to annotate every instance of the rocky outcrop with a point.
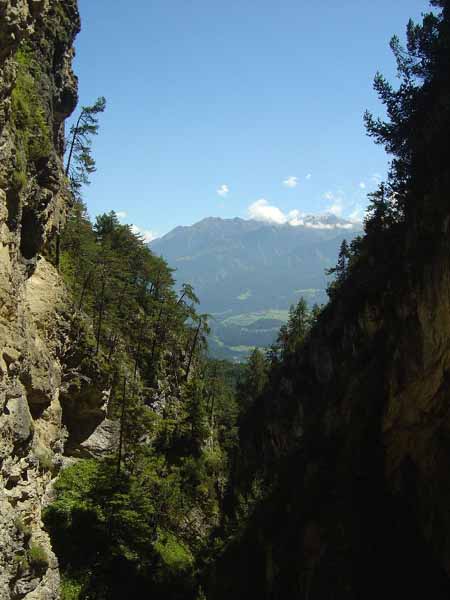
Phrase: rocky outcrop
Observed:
(37, 92)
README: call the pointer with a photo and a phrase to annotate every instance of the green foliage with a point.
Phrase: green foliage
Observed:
(175, 556)
(33, 136)
(80, 162)
(71, 588)
(139, 519)
(105, 525)
(37, 558)
(292, 335)
(418, 118)
(128, 293)
(415, 134)
(254, 379)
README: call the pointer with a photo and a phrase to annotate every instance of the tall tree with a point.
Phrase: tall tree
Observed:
(416, 130)
(254, 379)
(80, 162)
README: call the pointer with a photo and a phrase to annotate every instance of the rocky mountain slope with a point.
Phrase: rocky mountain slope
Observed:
(247, 273)
(37, 92)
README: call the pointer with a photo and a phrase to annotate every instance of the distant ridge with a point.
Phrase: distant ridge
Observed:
(247, 273)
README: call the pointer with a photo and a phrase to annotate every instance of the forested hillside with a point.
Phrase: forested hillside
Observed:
(247, 273)
(135, 513)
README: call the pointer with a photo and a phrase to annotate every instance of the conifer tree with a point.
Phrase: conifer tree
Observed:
(80, 162)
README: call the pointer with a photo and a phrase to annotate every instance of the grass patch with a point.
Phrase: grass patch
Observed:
(71, 588)
(174, 554)
(37, 557)
(245, 319)
(242, 349)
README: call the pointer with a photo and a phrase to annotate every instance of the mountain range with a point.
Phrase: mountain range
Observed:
(247, 273)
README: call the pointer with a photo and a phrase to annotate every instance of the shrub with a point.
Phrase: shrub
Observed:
(70, 588)
(38, 558)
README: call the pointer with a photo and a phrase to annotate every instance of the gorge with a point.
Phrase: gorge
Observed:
(132, 465)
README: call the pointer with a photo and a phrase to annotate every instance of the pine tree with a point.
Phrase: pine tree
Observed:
(381, 211)
(416, 131)
(254, 379)
(80, 162)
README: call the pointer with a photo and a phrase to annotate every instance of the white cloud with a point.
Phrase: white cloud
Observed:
(223, 190)
(121, 214)
(308, 177)
(146, 234)
(294, 218)
(291, 182)
(362, 185)
(337, 204)
(261, 210)
(321, 225)
(336, 208)
(357, 214)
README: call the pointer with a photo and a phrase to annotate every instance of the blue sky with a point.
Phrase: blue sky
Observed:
(235, 108)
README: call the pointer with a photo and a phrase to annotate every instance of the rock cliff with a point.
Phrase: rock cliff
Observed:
(353, 438)
(37, 92)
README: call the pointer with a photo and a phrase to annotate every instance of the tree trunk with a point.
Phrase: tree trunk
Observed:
(100, 316)
(84, 289)
(72, 144)
(122, 426)
(194, 345)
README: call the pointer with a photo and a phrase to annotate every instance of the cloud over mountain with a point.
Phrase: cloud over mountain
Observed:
(264, 212)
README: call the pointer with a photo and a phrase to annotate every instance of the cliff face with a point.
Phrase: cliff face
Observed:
(37, 92)
(354, 438)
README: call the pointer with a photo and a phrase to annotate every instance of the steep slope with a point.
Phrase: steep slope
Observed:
(354, 437)
(243, 271)
(37, 92)
(349, 442)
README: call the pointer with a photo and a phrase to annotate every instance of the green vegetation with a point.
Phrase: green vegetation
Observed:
(191, 472)
(415, 135)
(80, 162)
(37, 558)
(71, 589)
(33, 136)
(246, 319)
(242, 349)
(141, 518)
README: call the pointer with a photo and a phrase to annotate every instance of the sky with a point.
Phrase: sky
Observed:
(235, 108)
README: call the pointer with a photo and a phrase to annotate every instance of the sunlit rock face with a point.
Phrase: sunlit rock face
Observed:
(37, 92)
